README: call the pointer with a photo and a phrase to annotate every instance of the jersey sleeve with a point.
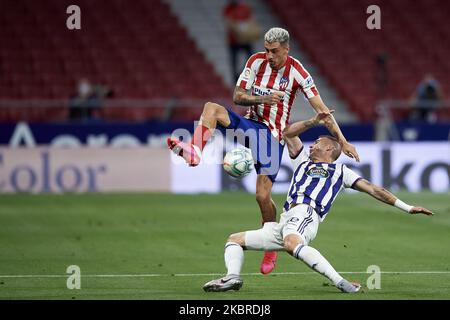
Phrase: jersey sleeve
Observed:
(350, 177)
(305, 81)
(302, 156)
(246, 79)
(248, 75)
(308, 88)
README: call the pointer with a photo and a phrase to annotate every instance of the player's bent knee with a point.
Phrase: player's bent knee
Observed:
(238, 238)
(212, 108)
(291, 242)
(214, 111)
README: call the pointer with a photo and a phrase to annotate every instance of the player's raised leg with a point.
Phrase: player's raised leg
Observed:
(293, 244)
(268, 213)
(212, 114)
(234, 259)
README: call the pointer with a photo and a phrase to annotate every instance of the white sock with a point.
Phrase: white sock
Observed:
(234, 258)
(317, 262)
(197, 150)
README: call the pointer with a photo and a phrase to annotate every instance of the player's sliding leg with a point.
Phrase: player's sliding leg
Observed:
(311, 257)
(268, 213)
(212, 114)
(234, 259)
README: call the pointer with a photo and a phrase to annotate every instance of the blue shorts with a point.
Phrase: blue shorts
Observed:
(256, 136)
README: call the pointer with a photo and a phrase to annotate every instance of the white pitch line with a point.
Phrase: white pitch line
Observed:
(204, 274)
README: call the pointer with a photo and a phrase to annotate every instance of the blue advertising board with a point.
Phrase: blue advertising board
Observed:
(154, 133)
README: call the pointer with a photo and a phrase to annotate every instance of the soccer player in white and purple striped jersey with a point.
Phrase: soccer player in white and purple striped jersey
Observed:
(268, 86)
(316, 182)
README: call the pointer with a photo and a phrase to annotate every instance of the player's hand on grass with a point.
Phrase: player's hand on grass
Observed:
(350, 151)
(416, 210)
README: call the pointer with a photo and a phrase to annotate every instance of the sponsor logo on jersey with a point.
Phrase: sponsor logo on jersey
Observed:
(258, 91)
(318, 172)
(284, 81)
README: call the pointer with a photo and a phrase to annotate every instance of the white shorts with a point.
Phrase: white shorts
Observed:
(301, 220)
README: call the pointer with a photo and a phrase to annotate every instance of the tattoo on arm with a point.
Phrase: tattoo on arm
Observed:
(293, 130)
(302, 126)
(384, 195)
(309, 124)
(375, 191)
(242, 97)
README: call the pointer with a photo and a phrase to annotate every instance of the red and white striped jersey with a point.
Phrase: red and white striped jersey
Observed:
(262, 80)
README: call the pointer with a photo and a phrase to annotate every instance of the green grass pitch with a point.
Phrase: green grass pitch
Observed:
(164, 246)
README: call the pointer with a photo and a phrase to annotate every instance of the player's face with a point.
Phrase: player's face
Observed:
(313, 148)
(318, 148)
(276, 54)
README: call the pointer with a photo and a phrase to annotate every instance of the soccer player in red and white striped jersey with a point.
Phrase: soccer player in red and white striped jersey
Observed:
(268, 84)
(262, 77)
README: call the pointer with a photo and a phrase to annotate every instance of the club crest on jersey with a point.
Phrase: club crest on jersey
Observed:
(284, 81)
(318, 172)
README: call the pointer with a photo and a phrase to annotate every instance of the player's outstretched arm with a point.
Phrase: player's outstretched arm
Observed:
(385, 196)
(291, 132)
(332, 126)
(297, 128)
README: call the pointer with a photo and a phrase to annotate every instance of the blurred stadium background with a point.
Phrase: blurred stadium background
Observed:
(148, 68)
(151, 66)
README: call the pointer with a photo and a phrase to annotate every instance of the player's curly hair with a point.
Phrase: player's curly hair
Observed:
(277, 35)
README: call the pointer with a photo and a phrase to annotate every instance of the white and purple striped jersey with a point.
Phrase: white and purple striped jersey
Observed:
(317, 183)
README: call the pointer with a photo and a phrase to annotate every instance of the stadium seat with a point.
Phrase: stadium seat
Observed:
(39, 59)
(338, 42)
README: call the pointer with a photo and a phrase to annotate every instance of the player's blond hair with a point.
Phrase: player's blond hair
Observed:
(277, 35)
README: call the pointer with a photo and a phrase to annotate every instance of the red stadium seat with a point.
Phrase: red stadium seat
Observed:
(115, 47)
(336, 40)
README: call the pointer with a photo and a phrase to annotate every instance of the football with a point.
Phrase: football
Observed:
(238, 162)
